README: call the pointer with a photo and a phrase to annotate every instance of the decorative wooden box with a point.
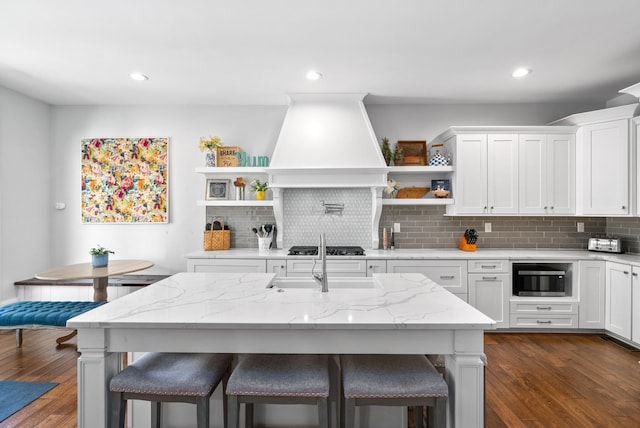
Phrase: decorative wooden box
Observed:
(228, 156)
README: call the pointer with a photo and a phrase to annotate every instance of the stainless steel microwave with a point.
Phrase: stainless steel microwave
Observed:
(540, 279)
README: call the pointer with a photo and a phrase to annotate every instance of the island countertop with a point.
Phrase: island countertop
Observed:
(243, 301)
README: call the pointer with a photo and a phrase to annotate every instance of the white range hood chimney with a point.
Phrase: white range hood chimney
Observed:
(327, 140)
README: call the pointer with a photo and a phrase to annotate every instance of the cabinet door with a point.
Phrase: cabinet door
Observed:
(489, 293)
(592, 285)
(532, 171)
(502, 174)
(618, 299)
(471, 174)
(605, 177)
(561, 174)
(277, 266)
(376, 266)
(227, 265)
(635, 307)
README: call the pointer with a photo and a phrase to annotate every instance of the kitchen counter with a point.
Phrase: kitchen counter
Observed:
(201, 312)
(430, 254)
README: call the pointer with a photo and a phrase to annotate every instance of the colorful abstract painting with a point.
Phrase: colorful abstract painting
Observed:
(125, 180)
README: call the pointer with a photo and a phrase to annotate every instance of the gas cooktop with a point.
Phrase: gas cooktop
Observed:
(300, 250)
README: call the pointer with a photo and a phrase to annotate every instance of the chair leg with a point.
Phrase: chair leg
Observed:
(18, 338)
(118, 410)
(225, 400)
(156, 414)
(248, 415)
(202, 410)
(233, 412)
(440, 414)
(418, 416)
(323, 412)
(349, 412)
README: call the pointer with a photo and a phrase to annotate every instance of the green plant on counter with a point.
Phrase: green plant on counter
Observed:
(257, 186)
(100, 250)
(386, 151)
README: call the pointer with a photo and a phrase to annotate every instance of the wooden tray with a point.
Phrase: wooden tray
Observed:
(412, 192)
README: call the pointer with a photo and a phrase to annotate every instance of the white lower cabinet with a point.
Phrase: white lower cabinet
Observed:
(227, 265)
(450, 274)
(277, 266)
(618, 299)
(490, 289)
(489, 293)
(335, 268)
(591, 282)
(543, 313)
(376, 266)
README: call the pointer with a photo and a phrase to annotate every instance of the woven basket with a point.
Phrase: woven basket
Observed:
(217, 239)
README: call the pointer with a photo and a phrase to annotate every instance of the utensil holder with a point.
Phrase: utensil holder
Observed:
(464, 246)
(264, 244)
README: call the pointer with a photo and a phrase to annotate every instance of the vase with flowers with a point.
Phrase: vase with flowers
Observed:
(210, 145)
(259, 188)
(391, 189)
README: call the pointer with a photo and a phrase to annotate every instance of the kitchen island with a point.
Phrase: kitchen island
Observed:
(238, 313)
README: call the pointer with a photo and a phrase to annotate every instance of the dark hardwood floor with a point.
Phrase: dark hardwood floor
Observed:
(533, 380)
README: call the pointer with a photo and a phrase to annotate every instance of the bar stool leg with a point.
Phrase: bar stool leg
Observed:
(233, 412)
(156, 414)
(202, 410)
(248, 415)
(349, 412)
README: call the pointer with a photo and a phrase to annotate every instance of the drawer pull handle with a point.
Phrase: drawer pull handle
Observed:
(543, 322)
(634, 274)
(447, 276)
(488, 266)
(489, 278)
(543, 308)
(626, 272)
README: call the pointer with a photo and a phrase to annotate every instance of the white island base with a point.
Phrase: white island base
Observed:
(237, 313)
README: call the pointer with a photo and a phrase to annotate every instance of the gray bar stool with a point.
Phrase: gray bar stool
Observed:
(279, 379)
(392, 380)
(168, 377)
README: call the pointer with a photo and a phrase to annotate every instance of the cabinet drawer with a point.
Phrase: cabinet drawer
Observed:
(482, 266)
(303, 267)
(450, 274)
(542, 308)
(227, 265)
(553, 321)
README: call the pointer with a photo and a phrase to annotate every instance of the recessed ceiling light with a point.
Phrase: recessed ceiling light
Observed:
(138, 76)
(314, 75)
(520, 72)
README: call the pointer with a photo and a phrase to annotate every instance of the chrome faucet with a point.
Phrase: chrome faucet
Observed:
(321, 278)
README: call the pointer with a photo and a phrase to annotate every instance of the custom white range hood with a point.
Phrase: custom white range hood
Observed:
(327, 141)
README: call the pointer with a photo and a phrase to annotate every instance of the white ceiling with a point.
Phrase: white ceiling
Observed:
(256, 51)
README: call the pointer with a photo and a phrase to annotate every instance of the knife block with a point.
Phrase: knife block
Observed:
(464, 246)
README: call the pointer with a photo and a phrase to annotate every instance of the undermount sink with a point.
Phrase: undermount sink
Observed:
(334, 283)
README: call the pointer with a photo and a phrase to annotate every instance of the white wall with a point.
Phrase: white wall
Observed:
(24, 189)
(253, 128)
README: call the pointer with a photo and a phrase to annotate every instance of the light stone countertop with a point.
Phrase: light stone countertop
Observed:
(243, 301)
(431, 254)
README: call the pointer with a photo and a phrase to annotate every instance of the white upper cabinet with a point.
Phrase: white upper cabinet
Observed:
(487, 178)
(605, 163)
(546, 174)
(604, 167)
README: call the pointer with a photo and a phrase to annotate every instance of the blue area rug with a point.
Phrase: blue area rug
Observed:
(16, 395)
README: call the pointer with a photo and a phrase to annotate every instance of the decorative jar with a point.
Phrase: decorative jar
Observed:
(211, 158)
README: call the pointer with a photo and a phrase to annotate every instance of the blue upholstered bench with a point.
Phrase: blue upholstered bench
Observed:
(42, 314)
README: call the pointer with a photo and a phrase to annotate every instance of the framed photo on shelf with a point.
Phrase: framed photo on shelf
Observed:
(217, 189)
(414, 153)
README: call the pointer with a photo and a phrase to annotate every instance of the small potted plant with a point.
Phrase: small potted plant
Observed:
(386, 151)
(100, 256)
(398, 155)
(392, 188)
(210, 145)
(259, 188)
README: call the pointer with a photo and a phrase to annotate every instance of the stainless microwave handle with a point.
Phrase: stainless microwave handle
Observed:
(541, 272)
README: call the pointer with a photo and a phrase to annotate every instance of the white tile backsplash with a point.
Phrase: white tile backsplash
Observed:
(305, 218)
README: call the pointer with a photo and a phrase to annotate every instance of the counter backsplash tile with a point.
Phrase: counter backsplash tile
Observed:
(628, 229)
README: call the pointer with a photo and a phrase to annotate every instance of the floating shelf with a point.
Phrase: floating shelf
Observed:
(230, 170)
(234, 203)
(409, 201)
(419, 169)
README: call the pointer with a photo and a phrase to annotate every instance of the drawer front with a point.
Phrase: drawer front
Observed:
(540, 309)
(557, 321)
(303, 267)
(227, 265)
(450, 274)
(482, 266)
